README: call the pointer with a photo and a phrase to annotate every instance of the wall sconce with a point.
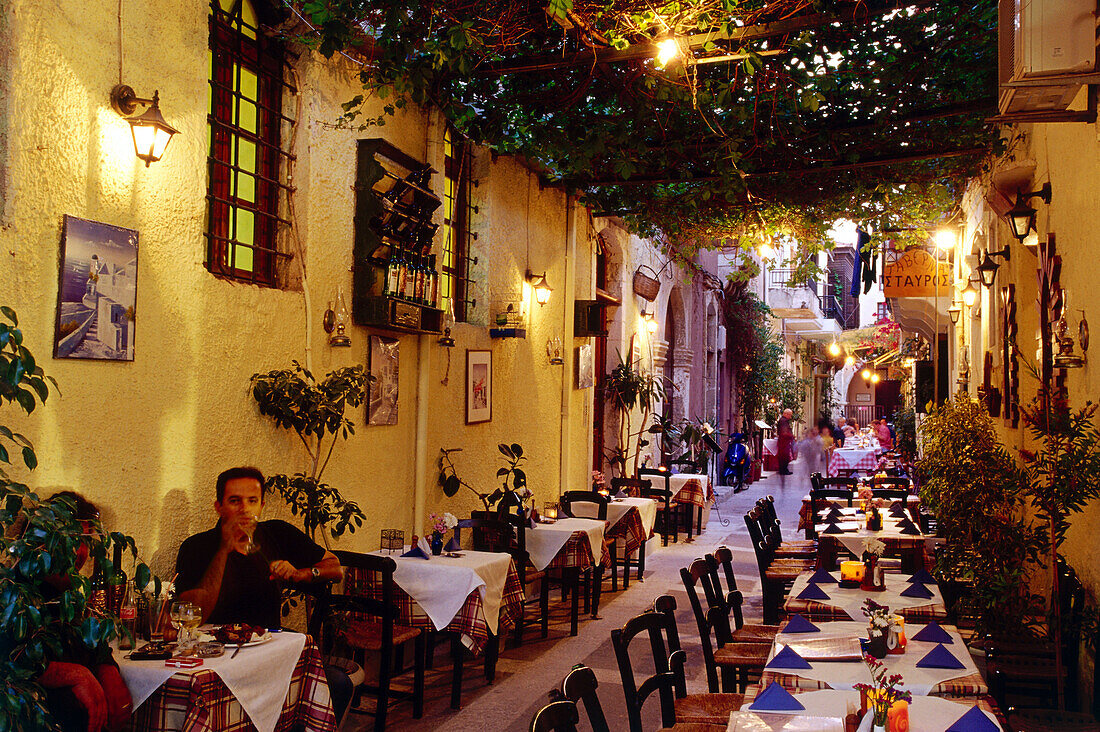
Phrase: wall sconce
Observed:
(987, 270)
(539, 285)
(970, 295)
(954, 312)
(650, 321)
(446, 340)
(1021, 217)
(553, 351)
(339, 337)
(151, 133)
(1066, 358)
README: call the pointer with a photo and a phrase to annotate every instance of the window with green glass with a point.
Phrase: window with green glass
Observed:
(456, 210)
(244, 118)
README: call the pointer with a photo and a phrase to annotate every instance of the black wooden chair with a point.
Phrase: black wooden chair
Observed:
(891, 494)
(569, 499)
(771, 526)
(490, 534)
(557, 716)
(721, 568)
(733, 661)
(892, 481)
(580, 687)
(776, 574)
(669, 513)
(679, 710)
(357, 623)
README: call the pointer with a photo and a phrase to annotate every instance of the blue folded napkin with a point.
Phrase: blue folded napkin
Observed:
(932, 633)
(776, 699)
(910, 530)
(897, 506)
(799, 624)
(788, 658)
(416, 551)
(917, 590)
(974, 720)
(833, 529)
(812, 592)
(922, 575)
(898, 513)
(822, 576)
(453, 545)
(939, 657)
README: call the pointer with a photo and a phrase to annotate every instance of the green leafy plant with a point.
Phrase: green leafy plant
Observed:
(315, 411)
(628, 389)
(1063, 477)
(905, 427)
(449, 480)
(43, 595)
(977, 492)
(513, 477)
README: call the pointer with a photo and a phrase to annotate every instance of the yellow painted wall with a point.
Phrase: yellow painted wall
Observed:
(146, 439)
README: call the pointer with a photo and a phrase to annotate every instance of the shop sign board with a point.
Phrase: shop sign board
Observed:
(913, 274)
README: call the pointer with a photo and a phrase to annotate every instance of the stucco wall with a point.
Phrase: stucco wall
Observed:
(145, 439)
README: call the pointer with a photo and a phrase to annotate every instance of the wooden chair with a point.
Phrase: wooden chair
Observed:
(678, 708)
(776, 575)
(733, 599)
(668, 511)
(891, 482)
(891, 494)
(770, 526)
(733, 660)
(557, 716)
(360, 623)
(489, 534)
(580, 687)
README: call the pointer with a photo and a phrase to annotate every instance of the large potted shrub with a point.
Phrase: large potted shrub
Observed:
(977, 492)
(43, 594)
(315, 411)
(628, 389)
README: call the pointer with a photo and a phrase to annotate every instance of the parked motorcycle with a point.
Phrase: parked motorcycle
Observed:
(738, 463)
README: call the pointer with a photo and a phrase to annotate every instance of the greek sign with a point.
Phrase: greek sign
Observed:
(913, 274)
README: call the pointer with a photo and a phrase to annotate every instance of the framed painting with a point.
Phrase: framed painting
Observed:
(479, 386)
(586, 377)
(96, 292)
(384, 360)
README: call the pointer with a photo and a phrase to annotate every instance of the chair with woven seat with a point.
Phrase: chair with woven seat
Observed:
(776, 575)
(678, 708)
(491, 534)
(770, 525)
(368, 622)
(737, 659)
(1051, 720)
(733, 599)
(823, 493)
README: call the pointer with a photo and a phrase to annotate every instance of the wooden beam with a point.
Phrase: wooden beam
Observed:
(748, 33)
(821, 168)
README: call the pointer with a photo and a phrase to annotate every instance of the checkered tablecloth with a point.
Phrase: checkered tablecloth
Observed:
(964, 686)
(196, 700)
(814, 610)
(693, 492)
(630, 529)
(469, 622)
(577, 552)
(858, 460)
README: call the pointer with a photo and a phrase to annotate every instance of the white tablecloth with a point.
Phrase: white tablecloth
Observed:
(851, 600)
(546, 540)
(846, 674)
(647, 509)
(854, 541)
(440, 585)
(771, 447)
(926, 714)
(259, 676)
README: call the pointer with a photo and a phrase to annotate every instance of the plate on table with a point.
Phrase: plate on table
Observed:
(232, 635)
(266, 637)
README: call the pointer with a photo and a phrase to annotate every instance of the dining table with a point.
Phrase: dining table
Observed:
(853, 460)
(629, 519)
(899, 533)
(825, 711)
(847, 603)
(271, 686)
(808, 673)
(467, 592)
(912, 507)
(693, 489)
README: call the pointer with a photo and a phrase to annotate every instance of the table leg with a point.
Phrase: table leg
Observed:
(492, 651)
(597, 586)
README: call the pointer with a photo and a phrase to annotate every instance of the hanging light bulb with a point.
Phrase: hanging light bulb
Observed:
(875, 378)
(850, 360)
(667, 50)
(834, 349)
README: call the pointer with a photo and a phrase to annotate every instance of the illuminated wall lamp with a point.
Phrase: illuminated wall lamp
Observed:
(649, 320)
(954, 311)
(970, 295)
(151, 133)
(539, 285)
(1021, 217)
(834, 349)
(987, 270)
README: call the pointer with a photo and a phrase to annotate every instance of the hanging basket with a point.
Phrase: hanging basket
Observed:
(646, 286)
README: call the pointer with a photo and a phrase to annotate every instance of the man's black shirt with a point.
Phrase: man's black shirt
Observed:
(248, 594)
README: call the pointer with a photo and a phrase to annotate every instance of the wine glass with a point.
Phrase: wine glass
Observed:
(250, 530)
(184, 616)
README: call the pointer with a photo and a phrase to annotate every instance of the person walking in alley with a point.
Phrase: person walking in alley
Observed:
(785, 441)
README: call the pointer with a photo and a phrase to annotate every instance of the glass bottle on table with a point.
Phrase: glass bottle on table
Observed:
(116, 583)
(128, 615)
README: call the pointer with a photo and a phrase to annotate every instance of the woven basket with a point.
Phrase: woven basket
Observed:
(646, 286)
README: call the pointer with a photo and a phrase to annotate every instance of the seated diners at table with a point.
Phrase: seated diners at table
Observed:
(234, 571)
(851, 428)
(882, 432)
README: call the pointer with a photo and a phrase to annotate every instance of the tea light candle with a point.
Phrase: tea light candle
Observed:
(550, 511)
(851, 571)
(604, 492)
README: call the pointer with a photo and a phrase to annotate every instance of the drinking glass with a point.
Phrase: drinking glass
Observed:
(184, 616)
(156, 630)
(250, 530)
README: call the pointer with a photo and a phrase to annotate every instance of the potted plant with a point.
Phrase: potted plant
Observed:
(627, 390)
(513, 488)
(315, 411)
(44, 598)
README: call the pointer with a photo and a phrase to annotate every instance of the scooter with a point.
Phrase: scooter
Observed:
(738, 463)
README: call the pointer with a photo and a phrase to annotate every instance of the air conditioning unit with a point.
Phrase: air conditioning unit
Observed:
(1043, 43)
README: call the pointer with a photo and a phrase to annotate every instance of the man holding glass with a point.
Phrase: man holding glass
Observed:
(234, 570)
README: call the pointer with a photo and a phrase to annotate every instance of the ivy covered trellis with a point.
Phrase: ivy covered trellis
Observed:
(778, 117)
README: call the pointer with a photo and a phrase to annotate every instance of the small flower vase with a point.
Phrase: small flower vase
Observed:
(869, 562)
(877, 727)
(437, 543)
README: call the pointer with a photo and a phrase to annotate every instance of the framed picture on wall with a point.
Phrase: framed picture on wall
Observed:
(586, 376)
(479, 386)
(97, 291)
(863, 398)
(384, 361)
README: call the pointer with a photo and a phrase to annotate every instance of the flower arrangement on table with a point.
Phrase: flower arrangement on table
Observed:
(440, 526)
(598, 481)
(888, 704)
(873, 546)
(879, 621)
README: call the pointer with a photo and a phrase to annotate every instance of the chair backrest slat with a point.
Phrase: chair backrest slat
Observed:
(580, 687)
(557, 716)
(570, 498)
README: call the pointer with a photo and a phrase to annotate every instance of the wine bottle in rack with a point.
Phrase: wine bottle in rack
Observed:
(402, 274)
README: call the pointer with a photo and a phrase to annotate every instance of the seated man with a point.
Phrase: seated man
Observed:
(234, 571)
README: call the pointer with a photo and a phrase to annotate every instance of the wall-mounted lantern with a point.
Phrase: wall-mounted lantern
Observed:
(151, 133)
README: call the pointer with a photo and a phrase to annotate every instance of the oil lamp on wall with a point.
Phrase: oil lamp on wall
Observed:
(339, 337)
